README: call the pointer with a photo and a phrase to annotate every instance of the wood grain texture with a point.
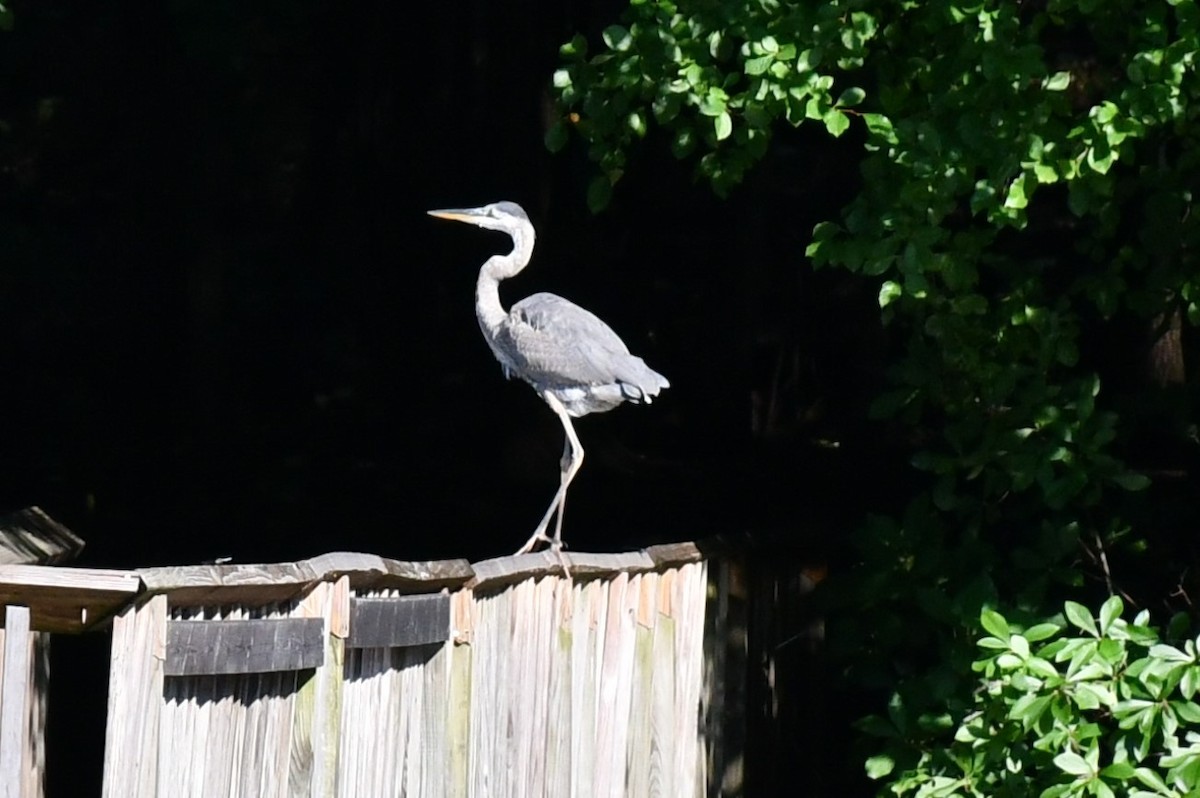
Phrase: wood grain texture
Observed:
(64, 599)
(31, 537)
(458, 723)
(399, 621)
(522, 683)
(503, 571)
(16, 685)
(197, 648)
(135, 699)
(273, 582)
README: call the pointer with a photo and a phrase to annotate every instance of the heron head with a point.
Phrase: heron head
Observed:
(505, 216)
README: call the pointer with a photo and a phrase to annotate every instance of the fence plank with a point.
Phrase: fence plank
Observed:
(315, 721)
(663, 783)
(135, 696)
(638, 752)
(251, 646)
(459, 702)
(399, 621)
(15, 700)
(35, 744)
(435, 725)
(527, 684)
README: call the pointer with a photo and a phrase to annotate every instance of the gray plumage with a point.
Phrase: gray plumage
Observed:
(575, 361)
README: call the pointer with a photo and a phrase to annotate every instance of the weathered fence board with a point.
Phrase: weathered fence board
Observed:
(16, 698)
(514, 680)
(135, 688)
(399, 621)
(197, 648)
(30, 537)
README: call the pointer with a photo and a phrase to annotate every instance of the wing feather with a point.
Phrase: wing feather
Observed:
(553, 342)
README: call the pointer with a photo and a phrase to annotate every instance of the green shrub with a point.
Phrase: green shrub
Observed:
(1072, 707)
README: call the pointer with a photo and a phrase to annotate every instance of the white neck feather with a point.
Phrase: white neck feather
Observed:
(488, 309)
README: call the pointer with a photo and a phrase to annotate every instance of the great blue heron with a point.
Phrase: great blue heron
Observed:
(575, 362)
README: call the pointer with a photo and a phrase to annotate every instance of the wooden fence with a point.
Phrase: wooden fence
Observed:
(352, 675)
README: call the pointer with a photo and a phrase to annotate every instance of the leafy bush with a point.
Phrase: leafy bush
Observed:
(1094, 706)
(1028, 175)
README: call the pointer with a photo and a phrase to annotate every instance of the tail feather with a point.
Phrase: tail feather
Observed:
(642, 383)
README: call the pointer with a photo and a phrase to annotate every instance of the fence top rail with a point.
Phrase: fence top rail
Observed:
(584, 565)
(67, 599)
(272, 582)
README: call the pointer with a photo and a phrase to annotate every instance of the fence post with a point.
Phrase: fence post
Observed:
(14, 701)
(135, 695)
(316, 737)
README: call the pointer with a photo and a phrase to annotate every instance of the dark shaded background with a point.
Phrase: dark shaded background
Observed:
(229, 329)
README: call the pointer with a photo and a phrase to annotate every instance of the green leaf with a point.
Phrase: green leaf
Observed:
(759, 65)
(714, 103)
(1190, 682)
(994, 623)
(577, 46)
(1072, 763)
(1057, 82)
(1118, 770)
(1045, 173)
(617, 38)
(723, 126)
(1042, 668)
(877, 726)
(836, 122)
(889, 292)
(1110, 610)
(1017, 198)
(556, 137)
(1169, 653)
(879, 766)
(1029, 708)
(1152, 780)
(1079, 616)
(1189, 711)
(599, 194)
(683, 143)
(1132, 481)
(851, 97)
(1041, 631)
(880, 126)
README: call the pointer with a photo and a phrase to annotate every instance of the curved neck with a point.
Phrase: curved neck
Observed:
(500, 267)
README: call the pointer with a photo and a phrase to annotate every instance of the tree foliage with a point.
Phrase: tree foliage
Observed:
(1027, 172)
(1101, 709)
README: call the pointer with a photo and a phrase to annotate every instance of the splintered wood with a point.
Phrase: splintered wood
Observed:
(521, 682)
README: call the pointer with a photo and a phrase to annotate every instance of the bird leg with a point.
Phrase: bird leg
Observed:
(564, 465)
(571, 461)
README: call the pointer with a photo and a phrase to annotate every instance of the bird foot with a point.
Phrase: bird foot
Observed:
(556, 548)
(538, 538)
(534, 540)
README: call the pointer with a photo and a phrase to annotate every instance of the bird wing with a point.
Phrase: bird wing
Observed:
(554, 342)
